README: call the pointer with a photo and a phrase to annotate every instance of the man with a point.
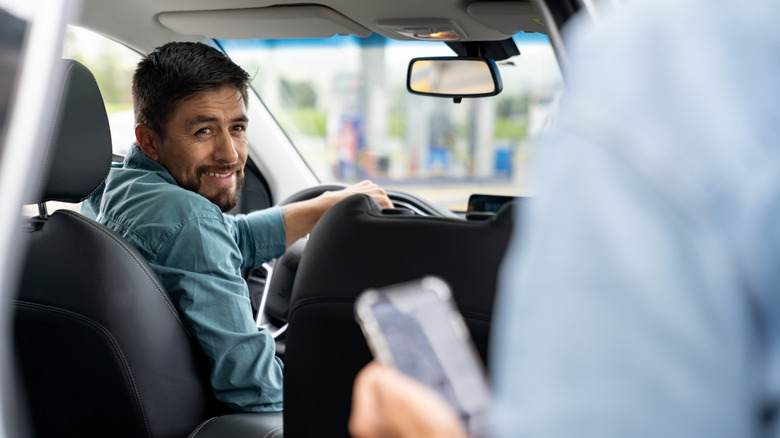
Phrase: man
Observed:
(640, 298)
(168, 199)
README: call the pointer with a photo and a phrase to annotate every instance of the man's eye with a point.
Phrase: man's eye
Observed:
(240, 128)
(203, 131)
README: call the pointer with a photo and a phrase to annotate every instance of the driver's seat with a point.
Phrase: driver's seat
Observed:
(101, 350)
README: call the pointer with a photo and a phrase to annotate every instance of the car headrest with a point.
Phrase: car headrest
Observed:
(78, 154)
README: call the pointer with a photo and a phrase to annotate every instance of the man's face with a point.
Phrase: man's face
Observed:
(205, 145)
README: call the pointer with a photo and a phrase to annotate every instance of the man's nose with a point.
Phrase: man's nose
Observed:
(225, 148)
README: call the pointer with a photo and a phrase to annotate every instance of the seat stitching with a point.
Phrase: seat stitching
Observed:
(116, 348)
(124, 246)
(201, 426)
(274, 433)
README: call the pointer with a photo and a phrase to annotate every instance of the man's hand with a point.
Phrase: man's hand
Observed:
(365, 187)
(386, 403)
(300, 217)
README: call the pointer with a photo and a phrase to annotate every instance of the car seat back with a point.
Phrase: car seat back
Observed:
(356, 246)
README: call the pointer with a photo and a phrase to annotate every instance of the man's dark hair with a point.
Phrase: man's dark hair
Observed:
(176, 71)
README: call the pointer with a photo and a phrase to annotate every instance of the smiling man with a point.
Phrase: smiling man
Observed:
(169, 199)
(204, 147)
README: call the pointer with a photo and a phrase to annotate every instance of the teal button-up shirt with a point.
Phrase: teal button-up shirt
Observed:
(198, 252)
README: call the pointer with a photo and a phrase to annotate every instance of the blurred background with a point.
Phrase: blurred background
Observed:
(354, 119)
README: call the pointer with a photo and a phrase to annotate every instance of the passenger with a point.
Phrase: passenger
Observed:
(169, 198)
(641, 297)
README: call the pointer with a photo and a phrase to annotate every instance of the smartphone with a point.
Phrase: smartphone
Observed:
(416, 328)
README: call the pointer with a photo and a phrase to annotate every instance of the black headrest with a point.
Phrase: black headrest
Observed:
(78, 156)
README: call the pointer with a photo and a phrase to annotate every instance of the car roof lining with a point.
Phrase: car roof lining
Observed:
(145, 24)
(273, 22)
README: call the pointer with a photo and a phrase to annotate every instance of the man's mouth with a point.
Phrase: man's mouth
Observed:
(219, 175)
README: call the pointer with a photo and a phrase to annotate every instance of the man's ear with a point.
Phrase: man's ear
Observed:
(148, 140)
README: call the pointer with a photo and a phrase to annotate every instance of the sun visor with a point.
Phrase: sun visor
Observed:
(274, 22)
(508, 17)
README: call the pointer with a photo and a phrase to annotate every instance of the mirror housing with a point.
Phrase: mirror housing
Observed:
(452, 76)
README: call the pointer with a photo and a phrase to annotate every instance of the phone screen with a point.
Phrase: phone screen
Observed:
(418, 330)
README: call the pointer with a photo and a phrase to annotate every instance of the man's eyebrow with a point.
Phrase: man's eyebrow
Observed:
(201, 119)
(209, 119)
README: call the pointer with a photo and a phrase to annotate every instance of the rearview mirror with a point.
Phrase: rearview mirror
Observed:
(455, 77)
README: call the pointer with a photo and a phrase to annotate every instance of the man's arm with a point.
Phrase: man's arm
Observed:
(200, 268)
(300, 217)
(260, 235)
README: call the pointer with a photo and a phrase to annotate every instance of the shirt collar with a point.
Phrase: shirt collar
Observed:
(136, 159)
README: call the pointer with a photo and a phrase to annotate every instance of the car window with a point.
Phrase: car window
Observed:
(343, 103)
(113, 65)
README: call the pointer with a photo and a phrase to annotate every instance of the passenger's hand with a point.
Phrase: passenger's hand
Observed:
(365, 187)
(386, 403)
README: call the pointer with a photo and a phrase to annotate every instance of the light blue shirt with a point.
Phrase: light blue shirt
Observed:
(198, 253)
(641, 296)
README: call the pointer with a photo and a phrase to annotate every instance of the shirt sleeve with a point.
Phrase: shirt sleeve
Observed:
(200, 266)
(260, 235)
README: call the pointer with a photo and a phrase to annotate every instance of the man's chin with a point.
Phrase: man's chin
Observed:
(225, 201)
(223, 197)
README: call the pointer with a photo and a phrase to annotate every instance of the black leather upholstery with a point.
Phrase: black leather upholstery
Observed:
(241, 425)
(101, 349)
(79, 154)
(353, 247)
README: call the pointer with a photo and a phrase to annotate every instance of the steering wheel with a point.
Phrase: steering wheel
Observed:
(280, 274)
(311, 192)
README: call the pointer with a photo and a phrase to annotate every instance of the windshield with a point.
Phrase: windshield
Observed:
(343, 103)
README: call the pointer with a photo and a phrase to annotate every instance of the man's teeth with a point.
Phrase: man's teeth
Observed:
(218, 175)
